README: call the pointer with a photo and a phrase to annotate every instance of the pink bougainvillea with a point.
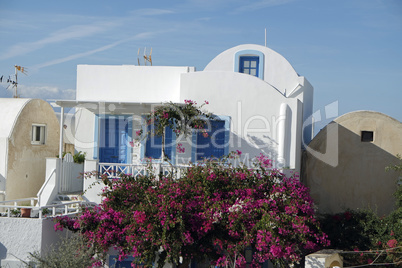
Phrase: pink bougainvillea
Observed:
(214, 211)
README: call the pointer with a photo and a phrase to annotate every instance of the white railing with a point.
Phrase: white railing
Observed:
(67, 208)
(44, 186)
(114, 171)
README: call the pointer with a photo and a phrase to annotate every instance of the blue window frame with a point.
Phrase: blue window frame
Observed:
(249, 65)
(244, 62)
(215, 144)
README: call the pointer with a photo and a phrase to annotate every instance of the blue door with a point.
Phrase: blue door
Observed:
(212, 145)
(114, 137)
(153, 146)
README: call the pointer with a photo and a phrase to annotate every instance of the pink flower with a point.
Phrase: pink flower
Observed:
(138, 132)
(347, 215)
(165, 115)
(189, 102)
(131, 143)
(206, 102)
(392, 243)
(238, 152)
(58, 227)
(180, 148)
(276, 251)
(205, 134)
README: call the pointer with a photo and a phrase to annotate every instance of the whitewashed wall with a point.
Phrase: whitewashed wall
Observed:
(20, 236)
(254, 108)
(129, 83)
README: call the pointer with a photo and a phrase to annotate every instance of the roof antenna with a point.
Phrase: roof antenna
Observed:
(147, 58)
(138, 57)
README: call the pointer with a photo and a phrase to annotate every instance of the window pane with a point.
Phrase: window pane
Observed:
(42, 134)
(37, 133)
(249, 65)
(153, 146)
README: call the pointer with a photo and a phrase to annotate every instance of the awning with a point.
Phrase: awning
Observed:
(106, 107)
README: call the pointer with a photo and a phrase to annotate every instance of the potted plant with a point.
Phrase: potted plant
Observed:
(26, 212)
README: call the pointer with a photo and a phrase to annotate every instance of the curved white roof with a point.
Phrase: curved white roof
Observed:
(278, 72)
(10, 108)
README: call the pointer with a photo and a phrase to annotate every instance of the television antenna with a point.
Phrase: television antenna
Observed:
(147, 58)
(15, 84)
(12, 82)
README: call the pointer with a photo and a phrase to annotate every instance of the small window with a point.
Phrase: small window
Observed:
(38, 134)
(249, 65)
(367, 136)
(249, 61)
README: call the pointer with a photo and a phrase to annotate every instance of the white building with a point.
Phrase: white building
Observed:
(260, 100)
(262, 106)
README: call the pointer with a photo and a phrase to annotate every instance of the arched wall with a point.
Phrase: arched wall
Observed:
(359, 179)
(278, 72)
(26, 164)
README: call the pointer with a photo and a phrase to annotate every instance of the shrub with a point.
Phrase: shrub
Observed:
(213, 212)
(358, 231)
(70, 252)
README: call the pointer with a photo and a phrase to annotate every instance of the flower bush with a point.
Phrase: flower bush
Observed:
(211, 213)
(375, 239)
(183, 119)
(365, 237)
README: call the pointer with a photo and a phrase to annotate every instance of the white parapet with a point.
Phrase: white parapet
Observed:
(21, 236)
(324, 259)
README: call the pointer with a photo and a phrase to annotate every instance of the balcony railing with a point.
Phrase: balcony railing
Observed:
(114, 171)
(11, 207)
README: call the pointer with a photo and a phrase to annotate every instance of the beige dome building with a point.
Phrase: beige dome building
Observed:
(29, 133)
(344, 165)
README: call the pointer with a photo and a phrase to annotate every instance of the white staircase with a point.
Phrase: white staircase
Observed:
(66, 199)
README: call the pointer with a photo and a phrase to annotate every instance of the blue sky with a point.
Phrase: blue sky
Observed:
(349, 50)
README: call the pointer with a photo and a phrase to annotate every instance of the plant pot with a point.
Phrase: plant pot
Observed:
(26, 212)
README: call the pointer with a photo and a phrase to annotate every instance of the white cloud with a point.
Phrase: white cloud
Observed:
(87, 53)
(66, 34)
(261, 4)
(45, 92)
(151, 12)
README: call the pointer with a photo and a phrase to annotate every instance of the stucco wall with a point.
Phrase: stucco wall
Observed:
(355, 176)
(3, 162)
(20, 236)
(255, 110)
(26, 162)
(129, 83)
